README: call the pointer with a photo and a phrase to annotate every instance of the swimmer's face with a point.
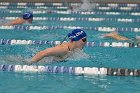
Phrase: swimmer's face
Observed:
(30, 20)
(82, 42)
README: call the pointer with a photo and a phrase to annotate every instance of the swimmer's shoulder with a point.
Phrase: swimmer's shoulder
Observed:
(66, 46)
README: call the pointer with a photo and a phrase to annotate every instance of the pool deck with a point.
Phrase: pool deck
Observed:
(59, 1)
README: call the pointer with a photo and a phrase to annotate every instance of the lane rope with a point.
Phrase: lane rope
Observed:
(75, 4)
(135, 13)
(66, 8)
(102, 29)
(90, 19)
(71, 70)
(54, 43)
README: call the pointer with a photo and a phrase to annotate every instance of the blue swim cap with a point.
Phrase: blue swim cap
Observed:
(27, 15)
(77, 34)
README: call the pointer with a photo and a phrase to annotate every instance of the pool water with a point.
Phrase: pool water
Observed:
(34, 83)
(109, 57)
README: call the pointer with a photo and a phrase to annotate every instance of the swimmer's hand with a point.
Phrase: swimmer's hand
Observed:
(30, 62)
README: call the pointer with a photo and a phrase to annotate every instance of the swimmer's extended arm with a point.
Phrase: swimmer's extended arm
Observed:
(15, 22)
(116, 36)
(55, 51)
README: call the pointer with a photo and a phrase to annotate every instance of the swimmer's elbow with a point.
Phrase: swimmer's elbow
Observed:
(42, 53)
(45, 53)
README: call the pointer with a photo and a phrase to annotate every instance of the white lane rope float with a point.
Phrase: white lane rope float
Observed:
(102, 29)
(54, 43)
(71, 70)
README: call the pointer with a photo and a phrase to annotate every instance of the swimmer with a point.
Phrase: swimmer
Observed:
(116, 36)
(77, 41)
(26, 18)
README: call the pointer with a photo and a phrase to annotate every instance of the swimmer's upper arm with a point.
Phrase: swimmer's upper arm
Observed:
(14, 22)
(10, 23)
(55, 51)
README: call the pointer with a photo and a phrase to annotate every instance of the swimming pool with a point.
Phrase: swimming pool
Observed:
(57, 23)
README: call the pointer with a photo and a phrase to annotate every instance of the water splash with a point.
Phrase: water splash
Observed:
(3, 21)
(85, 6)
(12, 59)
(78, 54)
(16, 58)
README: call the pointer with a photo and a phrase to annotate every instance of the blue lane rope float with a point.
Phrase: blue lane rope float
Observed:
(52, 43)
(90, 19)
(71, 70)
(102, 29)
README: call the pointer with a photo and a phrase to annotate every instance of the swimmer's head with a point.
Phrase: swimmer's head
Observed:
(27, 15)
(77, 34)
